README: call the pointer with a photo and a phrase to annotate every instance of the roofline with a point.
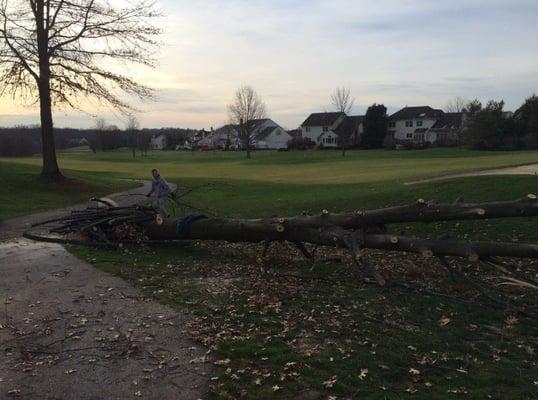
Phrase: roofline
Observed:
(324, 112)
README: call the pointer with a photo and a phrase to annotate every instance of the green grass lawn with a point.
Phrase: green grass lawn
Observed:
(22, 193)
(287, 328)
(309, 167)
(273, 182)
(283, 328)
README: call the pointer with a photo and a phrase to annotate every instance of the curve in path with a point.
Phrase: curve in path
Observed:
(521, 170)
(14, 228)
(71, 331)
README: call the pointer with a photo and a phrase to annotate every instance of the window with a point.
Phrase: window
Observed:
(419, 123)
(408, 123)
(392, 124)
(325, 129)
(409, 136)
(307, 129)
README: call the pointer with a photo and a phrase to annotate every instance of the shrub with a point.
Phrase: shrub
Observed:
(300, 143)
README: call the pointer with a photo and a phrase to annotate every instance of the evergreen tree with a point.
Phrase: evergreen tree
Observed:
(375, 127)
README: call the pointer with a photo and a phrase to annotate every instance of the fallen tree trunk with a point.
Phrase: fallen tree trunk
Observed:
(354, 231)
(258, 231)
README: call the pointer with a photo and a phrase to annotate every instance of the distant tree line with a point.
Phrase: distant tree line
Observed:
(485, 127)
(26, 140)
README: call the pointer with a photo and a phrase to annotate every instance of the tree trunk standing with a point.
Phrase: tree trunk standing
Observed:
(246, 135)
(133, 144)
(50, 169)
(343, 146)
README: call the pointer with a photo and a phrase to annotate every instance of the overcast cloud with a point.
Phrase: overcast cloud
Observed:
(294, 53)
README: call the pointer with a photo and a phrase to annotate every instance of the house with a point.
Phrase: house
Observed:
(352, 127)
(271, 137)
(412, 123)
(446, 130)
(295, 133)
(158, 142)
(320, 128)
(225, 137)
(425, 124)
(75, 142)
(266, 134)
(325, 129)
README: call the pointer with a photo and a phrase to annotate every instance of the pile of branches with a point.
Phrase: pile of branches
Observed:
(353, 231)
(106, 226)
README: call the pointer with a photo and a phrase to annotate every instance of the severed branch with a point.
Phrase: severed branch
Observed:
(354, 241)
(421, 211)
(302, 248)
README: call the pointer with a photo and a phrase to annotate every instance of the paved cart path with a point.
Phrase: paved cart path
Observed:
(521, 170)
(70, 331)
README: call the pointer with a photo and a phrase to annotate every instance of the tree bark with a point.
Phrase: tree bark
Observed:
(50, 170)
(257, 231)
(420, 211)
(334, 229)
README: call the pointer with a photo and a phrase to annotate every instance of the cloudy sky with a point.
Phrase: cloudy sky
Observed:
(296, 52)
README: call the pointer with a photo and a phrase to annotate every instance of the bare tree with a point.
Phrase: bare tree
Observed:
(246, 107)
(57, 51)
(132, 125)
(456, 105)
(101, 133)
(100, 124)
(343, 102)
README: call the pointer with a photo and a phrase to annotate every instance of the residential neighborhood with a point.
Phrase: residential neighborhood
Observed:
(411, 127)
(416, 124)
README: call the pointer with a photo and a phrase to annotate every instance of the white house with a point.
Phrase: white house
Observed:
(225, 137)
(412, 123)
(325, 129)
(266, 134)
(158, 142)
(271, 137)
(320, 127)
